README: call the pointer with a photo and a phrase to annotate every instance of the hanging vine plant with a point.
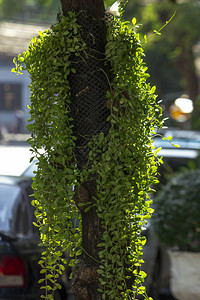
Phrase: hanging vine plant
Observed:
(121, 160)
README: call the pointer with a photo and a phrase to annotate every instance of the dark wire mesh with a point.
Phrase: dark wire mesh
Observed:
(89, 86)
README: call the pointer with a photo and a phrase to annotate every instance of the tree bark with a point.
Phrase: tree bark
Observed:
(85, 281)
(94, 7)
(88, 88)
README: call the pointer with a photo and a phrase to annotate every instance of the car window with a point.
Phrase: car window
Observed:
(8, 196)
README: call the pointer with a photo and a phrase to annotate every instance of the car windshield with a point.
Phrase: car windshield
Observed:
(8, 197)
(14, 160)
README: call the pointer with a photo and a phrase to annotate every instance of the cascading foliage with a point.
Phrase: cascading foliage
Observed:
(125, 170)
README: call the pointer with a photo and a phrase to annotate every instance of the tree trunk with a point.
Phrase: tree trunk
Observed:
(88, 87)
(185, 64)
(94, 7)
(84, 275)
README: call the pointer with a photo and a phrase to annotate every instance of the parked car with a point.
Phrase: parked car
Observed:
(19, 250)
(174, 158)
(19, 238)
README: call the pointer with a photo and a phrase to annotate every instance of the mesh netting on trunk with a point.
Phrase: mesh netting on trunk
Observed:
(89, 86)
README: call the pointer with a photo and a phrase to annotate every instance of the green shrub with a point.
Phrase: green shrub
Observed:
(177, 212)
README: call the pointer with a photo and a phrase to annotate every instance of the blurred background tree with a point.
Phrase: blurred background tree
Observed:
(34, 11)
(173, 57)
(31, 11)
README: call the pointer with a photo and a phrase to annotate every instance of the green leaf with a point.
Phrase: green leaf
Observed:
(48, 276)
(87, 209)
(157, 32)
(134, 21)
(41, 281)
(79, 252)
(176, 145)
(101, 137)
(169, 138)
(153, 89)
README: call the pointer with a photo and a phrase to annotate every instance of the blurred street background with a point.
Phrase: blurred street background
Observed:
(172, 55)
